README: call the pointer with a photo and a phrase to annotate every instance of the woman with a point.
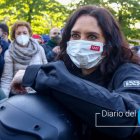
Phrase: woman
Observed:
(98, 78)
(22, 52)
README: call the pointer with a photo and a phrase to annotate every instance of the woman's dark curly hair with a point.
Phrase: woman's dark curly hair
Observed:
(116, 49)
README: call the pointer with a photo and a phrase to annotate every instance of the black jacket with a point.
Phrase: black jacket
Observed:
(48, 47)
(91, 102)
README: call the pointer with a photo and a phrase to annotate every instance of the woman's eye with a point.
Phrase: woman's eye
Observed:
(18, 33)
(24, 33)
(92, 37)
(75, 36)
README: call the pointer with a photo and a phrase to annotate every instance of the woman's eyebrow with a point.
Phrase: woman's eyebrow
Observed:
(94, 33)
(74, 32)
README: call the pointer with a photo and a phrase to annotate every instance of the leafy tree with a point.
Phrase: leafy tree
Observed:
(41, 14)
(127, 12)
(45, 14)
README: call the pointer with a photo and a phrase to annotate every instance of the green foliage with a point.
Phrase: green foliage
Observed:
(41, 14)
(127, 12)
(45, 14)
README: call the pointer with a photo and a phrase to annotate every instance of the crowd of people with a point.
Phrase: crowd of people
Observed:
(25, 48)
(87, 69)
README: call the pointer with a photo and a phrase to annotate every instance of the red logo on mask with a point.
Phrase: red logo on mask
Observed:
(95, 48)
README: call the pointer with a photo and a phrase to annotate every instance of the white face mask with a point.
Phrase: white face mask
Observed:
(22, 39)
(85, 54)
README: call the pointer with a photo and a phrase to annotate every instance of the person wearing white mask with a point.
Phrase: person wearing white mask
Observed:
(96, 77)
(23, 51)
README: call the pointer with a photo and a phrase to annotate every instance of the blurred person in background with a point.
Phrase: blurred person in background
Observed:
(23, 51)
(45, 38)
(4, 44)
(38, 38)
(4, 32)
(52, 47)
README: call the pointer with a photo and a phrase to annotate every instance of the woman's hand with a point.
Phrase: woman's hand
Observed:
(16, 87)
